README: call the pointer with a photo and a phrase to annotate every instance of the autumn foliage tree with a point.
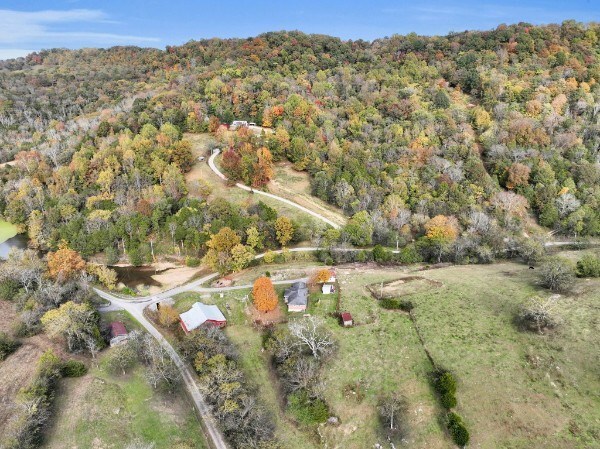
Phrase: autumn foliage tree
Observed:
(320, 276)
(440, 231)
(64, 263)
(167, 315)
(284, 230)
(263, 168)
(265, 297)
(518, 175)
(220, 250)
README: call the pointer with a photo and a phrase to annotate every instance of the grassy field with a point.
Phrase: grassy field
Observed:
(7, 230)
(108, 411)
(515, 389)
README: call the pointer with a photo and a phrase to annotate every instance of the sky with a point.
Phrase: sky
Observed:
(32, 25)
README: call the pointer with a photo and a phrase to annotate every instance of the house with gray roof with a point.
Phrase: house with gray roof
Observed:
(296, 297)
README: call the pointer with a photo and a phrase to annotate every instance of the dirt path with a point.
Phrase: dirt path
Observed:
(211, 163)
(295, 186)
(213, 433)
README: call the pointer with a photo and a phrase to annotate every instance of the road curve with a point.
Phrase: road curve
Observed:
(135, 308)
(213, 433)
(213, 167)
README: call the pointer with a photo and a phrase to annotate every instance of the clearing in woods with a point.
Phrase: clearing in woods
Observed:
(295, 185)
(200, 174)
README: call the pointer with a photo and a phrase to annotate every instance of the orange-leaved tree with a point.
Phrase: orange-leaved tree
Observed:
(322, 275)
(64, 263)
(265, 297)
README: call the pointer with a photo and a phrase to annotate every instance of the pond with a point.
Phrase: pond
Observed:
(133, 277)
(10, 239)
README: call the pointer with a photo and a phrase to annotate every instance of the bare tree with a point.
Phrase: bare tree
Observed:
(538, 313)
(162, 370)
(310, 332)
(391, 411)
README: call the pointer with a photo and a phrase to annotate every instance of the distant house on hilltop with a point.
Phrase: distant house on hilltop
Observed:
(118, 333)
(199, 314)
(238, 124)
(296, 297)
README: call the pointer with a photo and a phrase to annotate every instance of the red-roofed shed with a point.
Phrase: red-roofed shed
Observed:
(347, 319)
(118, 333)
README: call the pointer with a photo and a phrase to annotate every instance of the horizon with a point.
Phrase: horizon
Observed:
(76, 24)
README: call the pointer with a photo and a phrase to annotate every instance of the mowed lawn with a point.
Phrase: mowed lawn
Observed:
(102, 410)
(515, 389)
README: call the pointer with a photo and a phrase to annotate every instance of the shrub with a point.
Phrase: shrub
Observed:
(192, 261)
(73, 368)
(7, 345)
(457, 429)
(445, 385)
(390, 303)
(537, 314)
(588, 266)
(128, 291)
(410, 254)
(448, 400)
(9, 288)
(307, 410)
(531, 251)
(396, 304)
(381, 254)
(557, 274)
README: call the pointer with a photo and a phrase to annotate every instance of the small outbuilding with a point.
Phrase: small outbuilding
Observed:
(118, 333)
(346, 319)
(199, 314)
(332, 278)
(328, 289)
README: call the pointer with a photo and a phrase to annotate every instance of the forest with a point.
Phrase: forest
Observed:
(455, 147)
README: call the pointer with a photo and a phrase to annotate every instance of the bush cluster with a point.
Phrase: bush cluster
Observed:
(307, 410)
(458, 430)
(588, 266)
(445, 385)
(7, 345)
(9, 288)
(396, 304)
(192, 261)
(73, 368)
(26, 427)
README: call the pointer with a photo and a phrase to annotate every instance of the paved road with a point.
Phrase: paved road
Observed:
(213, 167)
(135, 307)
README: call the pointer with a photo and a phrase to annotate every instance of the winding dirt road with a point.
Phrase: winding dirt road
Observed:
(213, 167)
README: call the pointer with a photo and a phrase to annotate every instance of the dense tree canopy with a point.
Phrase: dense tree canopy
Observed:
(497, 129)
